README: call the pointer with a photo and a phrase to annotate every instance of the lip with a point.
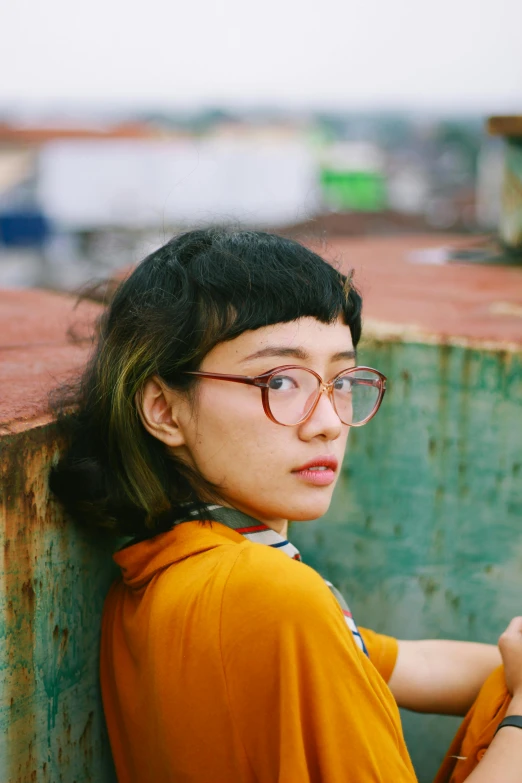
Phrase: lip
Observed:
(318, 478)
(326, 460)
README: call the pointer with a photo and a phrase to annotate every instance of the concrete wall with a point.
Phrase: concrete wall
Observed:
(52, 585)
(53, 577)
(424, 536)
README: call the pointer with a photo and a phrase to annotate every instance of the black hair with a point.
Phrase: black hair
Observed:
(201, 288)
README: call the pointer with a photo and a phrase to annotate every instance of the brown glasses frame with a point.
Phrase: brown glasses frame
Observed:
(263, 382)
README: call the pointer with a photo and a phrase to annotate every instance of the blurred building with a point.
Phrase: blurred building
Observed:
(101, 193)
(155, 183)
(80, 199)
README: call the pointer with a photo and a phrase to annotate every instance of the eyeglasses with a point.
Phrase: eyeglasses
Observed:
(290, 393)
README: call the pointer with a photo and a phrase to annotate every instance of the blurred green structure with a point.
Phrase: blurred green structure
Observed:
(510, 228)
(352, 178)
(359, 191)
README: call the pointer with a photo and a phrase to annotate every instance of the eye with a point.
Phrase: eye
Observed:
(282, 383)
(344, 384)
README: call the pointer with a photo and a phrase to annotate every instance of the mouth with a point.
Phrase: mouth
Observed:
(319, 471)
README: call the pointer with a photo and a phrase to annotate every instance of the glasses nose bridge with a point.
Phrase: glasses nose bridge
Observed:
(326, 387)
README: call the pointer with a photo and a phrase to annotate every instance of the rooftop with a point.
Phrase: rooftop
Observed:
(437, 302)
(29, 135)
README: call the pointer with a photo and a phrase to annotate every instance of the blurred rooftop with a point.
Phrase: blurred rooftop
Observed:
(385, 223)
(40, 134)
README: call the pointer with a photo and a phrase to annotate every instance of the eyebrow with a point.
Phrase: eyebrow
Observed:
(295, 353)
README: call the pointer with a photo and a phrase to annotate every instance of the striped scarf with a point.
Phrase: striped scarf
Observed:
(259, 533)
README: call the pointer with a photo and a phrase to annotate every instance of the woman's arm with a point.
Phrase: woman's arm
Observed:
(440, 676)
(503, 759)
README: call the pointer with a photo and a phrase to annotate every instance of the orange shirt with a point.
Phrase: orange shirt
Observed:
(383, 651)
(225, 661)
(476, 730)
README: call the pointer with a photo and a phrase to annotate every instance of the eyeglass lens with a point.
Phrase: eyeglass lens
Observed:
(293, 392)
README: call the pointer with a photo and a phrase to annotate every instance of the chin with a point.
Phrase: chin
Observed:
(302, 512)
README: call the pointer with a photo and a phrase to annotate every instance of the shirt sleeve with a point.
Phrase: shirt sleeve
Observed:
(306, 703)
(383, 651)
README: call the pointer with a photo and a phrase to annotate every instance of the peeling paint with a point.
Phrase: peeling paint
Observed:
(53, 580)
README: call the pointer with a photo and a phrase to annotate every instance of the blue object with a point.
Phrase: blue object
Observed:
(23, 228)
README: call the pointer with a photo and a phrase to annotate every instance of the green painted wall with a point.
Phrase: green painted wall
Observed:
(53, 580)
(424, 536)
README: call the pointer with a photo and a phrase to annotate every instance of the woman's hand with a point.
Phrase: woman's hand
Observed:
(510, 646)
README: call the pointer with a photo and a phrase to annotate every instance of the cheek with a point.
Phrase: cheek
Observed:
(228, 432)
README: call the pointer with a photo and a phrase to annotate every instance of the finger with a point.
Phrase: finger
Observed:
(515, 626)
(513, 630)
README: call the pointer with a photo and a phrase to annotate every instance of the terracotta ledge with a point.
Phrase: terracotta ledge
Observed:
(454, 303)
(36, 353)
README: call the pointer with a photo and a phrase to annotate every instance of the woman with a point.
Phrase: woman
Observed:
(217, 406)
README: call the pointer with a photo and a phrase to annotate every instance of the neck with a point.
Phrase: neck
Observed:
(279, 525)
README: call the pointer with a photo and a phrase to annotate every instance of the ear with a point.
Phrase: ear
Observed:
(159, 408)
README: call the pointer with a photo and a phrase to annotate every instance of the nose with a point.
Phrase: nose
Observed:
(323, 422)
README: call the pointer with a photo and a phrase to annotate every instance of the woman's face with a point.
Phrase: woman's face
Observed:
(258, 464)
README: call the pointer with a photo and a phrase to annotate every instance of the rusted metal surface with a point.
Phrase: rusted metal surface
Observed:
(53, 577)
(53, 580)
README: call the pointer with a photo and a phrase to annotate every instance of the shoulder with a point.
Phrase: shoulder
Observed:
(278, 614)
(264, 579)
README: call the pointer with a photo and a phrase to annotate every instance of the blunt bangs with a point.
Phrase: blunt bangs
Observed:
(208, 286)
(201, 288)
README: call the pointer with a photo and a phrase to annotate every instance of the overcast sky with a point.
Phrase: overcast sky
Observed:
(448, 54)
